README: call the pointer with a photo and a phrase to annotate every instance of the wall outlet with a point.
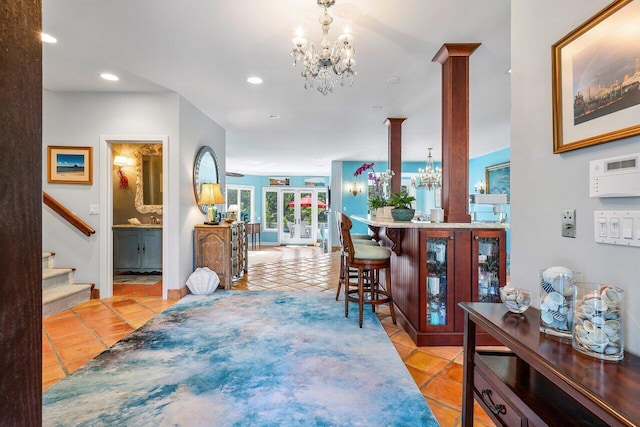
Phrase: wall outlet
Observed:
(568, 223)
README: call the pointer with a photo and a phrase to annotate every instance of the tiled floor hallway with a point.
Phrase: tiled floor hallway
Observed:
(73, 337)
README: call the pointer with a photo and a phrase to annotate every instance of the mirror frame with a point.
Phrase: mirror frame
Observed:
(202, 152)
(145, 150)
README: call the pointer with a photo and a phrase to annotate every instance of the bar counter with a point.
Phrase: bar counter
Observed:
(434, 266)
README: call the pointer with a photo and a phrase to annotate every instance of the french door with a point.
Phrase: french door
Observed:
(298, 223)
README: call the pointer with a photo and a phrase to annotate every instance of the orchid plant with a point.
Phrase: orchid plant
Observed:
(378, 192)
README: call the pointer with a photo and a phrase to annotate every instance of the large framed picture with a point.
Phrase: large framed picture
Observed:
(596, 79)
(69, 165)
(498, 179)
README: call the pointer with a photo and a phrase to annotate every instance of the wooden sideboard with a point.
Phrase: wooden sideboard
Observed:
(541, 380)
(222, 248)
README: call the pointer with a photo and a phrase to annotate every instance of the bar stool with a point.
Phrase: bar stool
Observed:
(358, 239)
(368, 260)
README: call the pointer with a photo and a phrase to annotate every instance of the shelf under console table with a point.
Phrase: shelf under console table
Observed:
(540, 380)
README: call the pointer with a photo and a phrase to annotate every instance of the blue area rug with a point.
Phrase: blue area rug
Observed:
(242, 358)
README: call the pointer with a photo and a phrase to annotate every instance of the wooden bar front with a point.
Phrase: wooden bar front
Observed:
(410, 272)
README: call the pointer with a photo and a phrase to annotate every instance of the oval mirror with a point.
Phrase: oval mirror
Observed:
(205, 170)
(149, 179)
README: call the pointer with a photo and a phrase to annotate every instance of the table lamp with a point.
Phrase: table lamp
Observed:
(211, 195)
(233, 209)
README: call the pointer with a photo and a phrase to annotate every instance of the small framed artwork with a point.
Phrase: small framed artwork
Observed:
(314, 182)
(280, 180)
(69, 165)
(596, 79)
(498, 179)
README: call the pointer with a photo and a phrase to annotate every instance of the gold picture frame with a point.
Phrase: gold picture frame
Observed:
(498, 179)
(69, 165)
(596, 79)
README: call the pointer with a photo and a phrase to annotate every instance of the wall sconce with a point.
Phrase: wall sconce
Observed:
(211, 195)
(355, 188)
(122, 161)
(479, 187)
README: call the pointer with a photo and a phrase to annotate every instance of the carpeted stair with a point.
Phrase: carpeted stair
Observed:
(59, 292)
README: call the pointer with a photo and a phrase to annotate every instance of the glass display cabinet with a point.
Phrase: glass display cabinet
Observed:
(457, 265)
(439, 275)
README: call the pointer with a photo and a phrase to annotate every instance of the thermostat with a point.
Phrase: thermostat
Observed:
(615, 176)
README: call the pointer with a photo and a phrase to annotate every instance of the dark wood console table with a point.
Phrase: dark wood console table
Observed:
(253, 229)
(542, 380)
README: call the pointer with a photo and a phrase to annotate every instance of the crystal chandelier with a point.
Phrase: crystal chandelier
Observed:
(325, 67)
(429, 178)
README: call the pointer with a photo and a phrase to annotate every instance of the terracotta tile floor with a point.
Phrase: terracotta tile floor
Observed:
(75, 336)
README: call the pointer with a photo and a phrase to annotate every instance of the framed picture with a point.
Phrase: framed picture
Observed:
(498, 179)
(279, 180)
(69, 165)
(596, 79)
(314, 182)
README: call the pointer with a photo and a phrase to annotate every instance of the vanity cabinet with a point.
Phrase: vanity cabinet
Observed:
(222, 248)
(137, 250)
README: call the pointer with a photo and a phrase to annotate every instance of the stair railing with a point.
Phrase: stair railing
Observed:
(69, 216)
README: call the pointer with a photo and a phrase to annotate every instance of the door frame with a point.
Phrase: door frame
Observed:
(106, 201)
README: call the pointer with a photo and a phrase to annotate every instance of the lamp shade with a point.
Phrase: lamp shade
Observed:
(121, 161)
(210, 194)
(233, 208)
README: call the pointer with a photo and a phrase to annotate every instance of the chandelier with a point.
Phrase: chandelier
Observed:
(325, 67)
(430, 177)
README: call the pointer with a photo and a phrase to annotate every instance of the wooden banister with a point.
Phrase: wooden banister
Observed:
(69, 216)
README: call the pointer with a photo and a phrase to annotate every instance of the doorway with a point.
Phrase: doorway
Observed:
(302, 216)
(132, 253)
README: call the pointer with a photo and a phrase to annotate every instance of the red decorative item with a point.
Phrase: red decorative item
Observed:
(124, 181)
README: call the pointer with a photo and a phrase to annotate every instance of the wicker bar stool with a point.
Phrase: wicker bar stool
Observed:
(367, 260)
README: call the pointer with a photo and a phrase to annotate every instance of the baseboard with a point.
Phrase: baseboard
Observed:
(177, 294)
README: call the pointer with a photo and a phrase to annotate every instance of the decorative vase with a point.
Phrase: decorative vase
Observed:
(399, 214)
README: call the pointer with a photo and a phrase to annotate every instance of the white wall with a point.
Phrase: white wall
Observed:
(196, 130)
(543, 183)
(80, 119)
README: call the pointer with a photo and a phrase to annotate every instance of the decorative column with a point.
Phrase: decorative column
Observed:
(395, 151)
(454, 58)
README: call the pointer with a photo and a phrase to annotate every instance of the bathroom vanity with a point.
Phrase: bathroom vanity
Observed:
(137, 248)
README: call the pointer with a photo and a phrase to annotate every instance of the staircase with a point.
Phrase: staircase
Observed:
(59, 293)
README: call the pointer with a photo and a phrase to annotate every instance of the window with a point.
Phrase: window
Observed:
(241, 195)
(270, 207)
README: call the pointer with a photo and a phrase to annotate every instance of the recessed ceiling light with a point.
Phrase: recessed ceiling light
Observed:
(509, 71)
(393, 80)
(110, 77)
(274, 116)
(47, 38)
(254, 80)
(377, 107)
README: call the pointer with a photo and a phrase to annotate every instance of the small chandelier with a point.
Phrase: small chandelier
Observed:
(324, 68)
(429, 178)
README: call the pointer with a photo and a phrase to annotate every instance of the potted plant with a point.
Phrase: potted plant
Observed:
(376, 202)
(401, 202)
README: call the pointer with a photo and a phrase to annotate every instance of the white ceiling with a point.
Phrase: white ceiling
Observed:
(206, 49)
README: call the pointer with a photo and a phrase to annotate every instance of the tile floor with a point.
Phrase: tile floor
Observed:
(75, 336)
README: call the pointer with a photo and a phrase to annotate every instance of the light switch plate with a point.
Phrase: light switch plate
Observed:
(568, 223)
(617, 227)
(94, 209)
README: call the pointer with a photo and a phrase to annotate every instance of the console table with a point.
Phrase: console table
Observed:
(541, 380)
(253, 229)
